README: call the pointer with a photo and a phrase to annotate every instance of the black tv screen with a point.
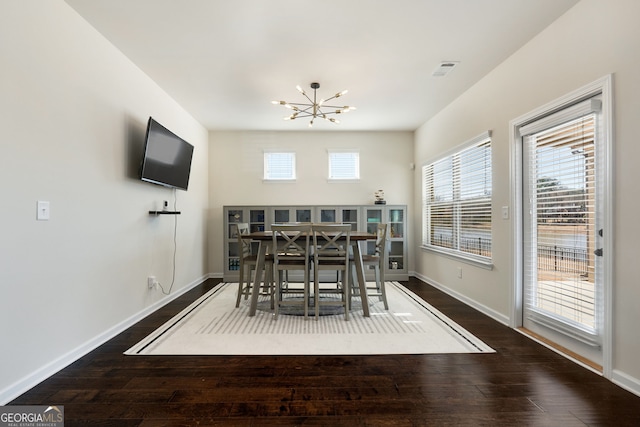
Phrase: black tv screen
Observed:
(167, 157)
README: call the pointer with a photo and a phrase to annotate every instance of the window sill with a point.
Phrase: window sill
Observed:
(343, 181)
(278, 181)
(487, 264)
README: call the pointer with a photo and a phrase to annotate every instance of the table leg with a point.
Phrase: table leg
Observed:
(255, 290)
(357, 259)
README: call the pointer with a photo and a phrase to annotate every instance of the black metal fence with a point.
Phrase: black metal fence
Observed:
(562, 259)
(550, 257)
(476, 245)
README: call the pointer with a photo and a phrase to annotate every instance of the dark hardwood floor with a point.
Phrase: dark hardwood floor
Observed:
(522, 384)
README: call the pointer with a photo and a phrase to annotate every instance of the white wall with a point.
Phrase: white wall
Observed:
(236, 171)
(591, 40)
(73, 113)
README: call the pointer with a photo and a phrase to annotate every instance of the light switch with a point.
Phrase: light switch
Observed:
(505, 212)
(43, 211)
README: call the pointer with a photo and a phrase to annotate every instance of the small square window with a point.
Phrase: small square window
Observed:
(279, 166)
(344, 165)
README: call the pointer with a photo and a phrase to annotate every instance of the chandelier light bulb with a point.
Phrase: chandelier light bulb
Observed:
(313, 108)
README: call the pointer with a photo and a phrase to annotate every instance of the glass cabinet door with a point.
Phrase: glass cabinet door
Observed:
(303, 215)
(327, 214)
(281, 216)
(373, 218)
(234, 216)
(396, 223)
(396, 255)
(397, 227)
(350, 216)
(256, 220)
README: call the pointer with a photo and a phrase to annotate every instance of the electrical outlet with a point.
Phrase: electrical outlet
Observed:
(151, 282)
(459, 272)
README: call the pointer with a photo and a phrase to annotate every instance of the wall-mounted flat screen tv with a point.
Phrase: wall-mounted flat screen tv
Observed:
(167, 157)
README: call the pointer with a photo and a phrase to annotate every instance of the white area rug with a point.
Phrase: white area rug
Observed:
(213, 326)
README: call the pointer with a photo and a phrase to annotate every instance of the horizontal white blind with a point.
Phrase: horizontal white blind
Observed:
(560, 261)
(344, 165)
(279, 166)
(457, 201)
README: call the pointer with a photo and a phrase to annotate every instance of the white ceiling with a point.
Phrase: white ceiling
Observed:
(224, 61)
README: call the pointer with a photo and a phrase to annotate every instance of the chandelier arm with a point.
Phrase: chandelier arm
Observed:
(339, 111)
(306, 110)
(299, 103)
(307, 96)
(341, 107)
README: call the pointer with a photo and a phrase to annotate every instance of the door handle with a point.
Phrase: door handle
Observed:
(598, 252)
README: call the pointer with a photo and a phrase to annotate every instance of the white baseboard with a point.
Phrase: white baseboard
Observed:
(626, 381)
(468, 301)
(35, 378)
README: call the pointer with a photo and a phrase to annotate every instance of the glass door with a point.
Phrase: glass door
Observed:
(563, 289)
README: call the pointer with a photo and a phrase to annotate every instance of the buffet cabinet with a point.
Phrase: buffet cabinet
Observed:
(361, 218)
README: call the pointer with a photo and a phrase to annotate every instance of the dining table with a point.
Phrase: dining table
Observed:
(265, 240)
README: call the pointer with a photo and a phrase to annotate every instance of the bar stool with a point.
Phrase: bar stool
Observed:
(248, 262)
(290, 250)
(331, 244)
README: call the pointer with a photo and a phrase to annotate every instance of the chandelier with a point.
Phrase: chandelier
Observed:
(314, 109)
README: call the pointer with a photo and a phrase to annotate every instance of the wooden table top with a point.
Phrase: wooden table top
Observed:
(268, 235)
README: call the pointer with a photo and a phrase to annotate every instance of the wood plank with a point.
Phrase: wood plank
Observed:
(523, 383)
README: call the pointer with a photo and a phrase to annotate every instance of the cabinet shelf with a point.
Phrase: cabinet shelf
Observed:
(164, 212)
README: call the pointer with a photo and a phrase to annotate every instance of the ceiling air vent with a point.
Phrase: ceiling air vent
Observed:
(444, 68)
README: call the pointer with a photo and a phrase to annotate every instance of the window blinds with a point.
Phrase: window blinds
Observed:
(559, 265)
(457, 201)
(344, 165)
(279, 166)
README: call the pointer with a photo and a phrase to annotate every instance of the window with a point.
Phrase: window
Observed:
(279, 166)
(344, 165)
(457, 202)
